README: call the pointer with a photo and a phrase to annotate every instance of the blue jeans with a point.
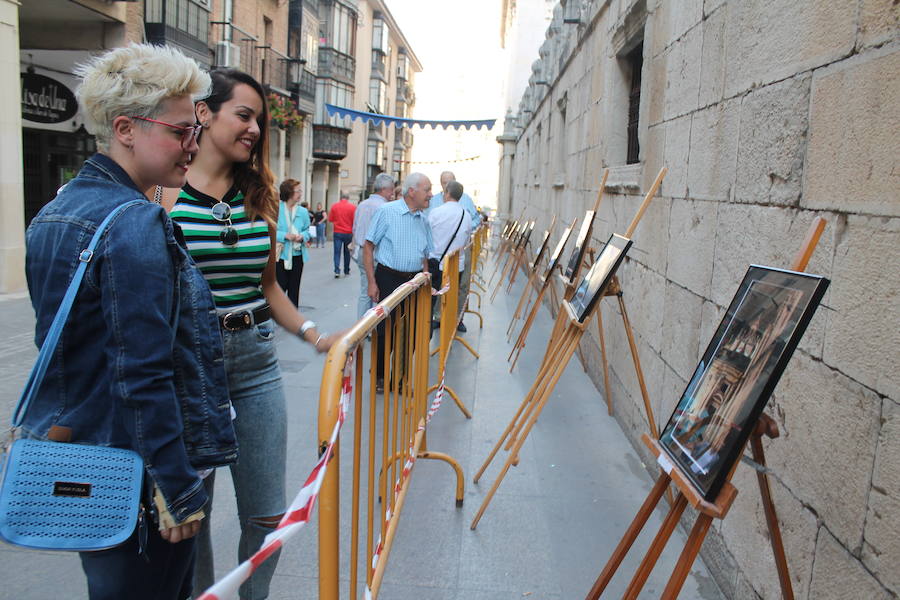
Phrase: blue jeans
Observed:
(121, 572)
(342, 241)
(320, 235)
(257, 394)
(364, 303)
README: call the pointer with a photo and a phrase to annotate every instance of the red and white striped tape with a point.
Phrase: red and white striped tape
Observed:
(296, 516)
(404, 473)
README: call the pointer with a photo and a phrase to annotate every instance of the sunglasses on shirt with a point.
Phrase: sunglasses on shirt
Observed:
(221, 212)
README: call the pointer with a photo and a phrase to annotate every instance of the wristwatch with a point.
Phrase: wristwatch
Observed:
(307, 325)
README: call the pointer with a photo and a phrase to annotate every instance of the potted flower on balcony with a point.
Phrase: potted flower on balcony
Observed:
(283, 112)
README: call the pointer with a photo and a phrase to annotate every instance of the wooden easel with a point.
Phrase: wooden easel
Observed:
(559, 351)
(507, 239)
(569, 288)
(708, 510)
(545, 282)
(533, 275)
(516, 257)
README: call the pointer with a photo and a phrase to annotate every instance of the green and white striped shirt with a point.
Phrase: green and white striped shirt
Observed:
(234, 273)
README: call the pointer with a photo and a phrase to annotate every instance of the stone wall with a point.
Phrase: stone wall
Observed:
(767, 114)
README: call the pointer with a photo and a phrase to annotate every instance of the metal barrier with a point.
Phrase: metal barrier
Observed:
(479, 251)
(389, 433)
(450, 314)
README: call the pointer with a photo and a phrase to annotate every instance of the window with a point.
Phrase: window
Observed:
(332, 92)
(402, 65)
(635, 61)
(378, 95)
(188, 16)
(379, 34)
(375, 153)
(374, 160)
(338, 28)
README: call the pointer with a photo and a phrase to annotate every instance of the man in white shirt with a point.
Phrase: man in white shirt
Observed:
(384, 190)
(465, 201)
(451, 227)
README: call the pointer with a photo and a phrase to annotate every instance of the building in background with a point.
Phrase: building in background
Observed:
(767, 115)
(304, 52)
(365, 63)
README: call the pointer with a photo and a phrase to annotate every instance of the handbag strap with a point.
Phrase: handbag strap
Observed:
(453, 237)
(62, 314)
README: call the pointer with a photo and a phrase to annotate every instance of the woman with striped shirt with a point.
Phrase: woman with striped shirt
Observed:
(228, 212)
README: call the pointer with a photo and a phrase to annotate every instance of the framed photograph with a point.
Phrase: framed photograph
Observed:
(584, 234)
(525, 235)
(557, 252)
(543, 248)
(738, 372)
(598, 276)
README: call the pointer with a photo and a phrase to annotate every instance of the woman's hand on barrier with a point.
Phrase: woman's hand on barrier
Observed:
(325, 343)
(179, 533)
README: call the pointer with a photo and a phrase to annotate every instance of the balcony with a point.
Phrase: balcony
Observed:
(330, 142)
(402, 91)
(274, 69)
(306, 85)
(182, 24)
(337, 65)
(378, 65)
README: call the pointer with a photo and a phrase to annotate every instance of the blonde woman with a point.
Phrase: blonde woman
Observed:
(139, 365)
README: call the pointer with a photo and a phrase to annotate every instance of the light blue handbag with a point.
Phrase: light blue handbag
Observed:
(61, 496)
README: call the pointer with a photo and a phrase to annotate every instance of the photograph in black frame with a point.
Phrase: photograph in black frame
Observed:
(580, 246)
(738, 372)
(597, 278)
(525, 235)
(557, 252)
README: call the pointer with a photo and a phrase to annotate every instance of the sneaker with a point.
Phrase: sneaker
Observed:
(461, 327)
(337, 275)
(379, 385)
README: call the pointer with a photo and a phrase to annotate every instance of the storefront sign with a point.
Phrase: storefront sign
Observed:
(45, 100)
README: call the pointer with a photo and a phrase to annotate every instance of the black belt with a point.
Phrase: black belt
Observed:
(407, 274)
(244, 319)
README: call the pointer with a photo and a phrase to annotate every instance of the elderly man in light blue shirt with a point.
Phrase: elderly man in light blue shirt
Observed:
(362, 219)
(466, 200)
(399, 241)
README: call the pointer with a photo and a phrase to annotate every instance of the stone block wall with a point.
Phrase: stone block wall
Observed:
(767, 114)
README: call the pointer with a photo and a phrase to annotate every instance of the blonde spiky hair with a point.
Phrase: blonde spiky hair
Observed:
(134, 81)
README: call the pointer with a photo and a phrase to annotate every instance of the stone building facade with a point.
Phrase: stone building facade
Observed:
(767, 114)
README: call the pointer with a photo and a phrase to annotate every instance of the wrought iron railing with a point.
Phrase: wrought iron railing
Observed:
(336, 65)
(329, 142)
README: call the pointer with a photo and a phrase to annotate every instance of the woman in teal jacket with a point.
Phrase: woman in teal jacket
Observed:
(292, 235)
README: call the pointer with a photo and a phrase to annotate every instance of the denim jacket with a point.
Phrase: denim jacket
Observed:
(140, 362)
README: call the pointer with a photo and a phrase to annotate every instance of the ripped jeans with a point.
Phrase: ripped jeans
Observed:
(257, 394)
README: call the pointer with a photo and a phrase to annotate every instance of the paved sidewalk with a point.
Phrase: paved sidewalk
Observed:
(549, 530)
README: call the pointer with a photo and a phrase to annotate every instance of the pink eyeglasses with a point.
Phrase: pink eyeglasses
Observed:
(188, 134)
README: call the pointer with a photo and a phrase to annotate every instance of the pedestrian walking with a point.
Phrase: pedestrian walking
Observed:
(228, 210)
(319, 220)
(399, 241)
(115, 380)
(384, 189)
(292, 235)
(341, 217)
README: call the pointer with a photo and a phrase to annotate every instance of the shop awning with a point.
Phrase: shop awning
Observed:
(377, 119)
